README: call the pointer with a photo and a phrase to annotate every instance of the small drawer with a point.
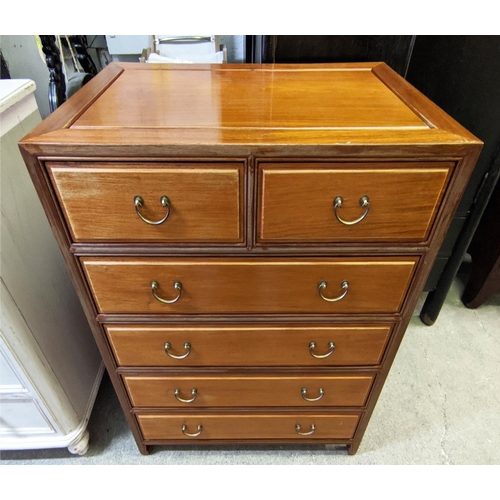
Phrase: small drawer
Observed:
(248, 391)
(341, 202)
(151, 202)
(248, 426)
(226, 286)
(234, 345)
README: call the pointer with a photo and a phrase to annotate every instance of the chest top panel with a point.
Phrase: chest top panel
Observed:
(274, 98)
(248, 109)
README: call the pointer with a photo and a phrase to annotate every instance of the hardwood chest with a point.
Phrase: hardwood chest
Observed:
(249, 241)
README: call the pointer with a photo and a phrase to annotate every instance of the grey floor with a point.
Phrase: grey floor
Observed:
(440, 405)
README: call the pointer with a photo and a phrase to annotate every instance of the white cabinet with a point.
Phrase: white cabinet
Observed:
(50, 368)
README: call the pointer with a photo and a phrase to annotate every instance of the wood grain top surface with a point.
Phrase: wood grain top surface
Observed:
(244, 109)
(216, 97)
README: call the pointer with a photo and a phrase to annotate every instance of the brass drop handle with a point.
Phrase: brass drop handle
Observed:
(321, 392)
(194, 393)
(200, 430)
(364, 202)
(187, 346)
(344, 285)
(312, 346)
(297, 430)
(139, 202)
(177, 286)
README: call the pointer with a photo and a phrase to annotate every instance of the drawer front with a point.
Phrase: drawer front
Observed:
(374, 285)
(163, 392)
(226, 345)
(245, 426)
(296, 202)
(205, 201)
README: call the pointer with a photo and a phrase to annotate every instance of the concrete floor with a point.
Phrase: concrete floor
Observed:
(440, 405)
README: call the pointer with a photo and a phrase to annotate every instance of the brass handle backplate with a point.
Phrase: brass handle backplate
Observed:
(344, 285)
(312, 346)
(184, 429)
(139, 202)
(364, 202)
(297, 430)
(321, 392)
(177, 286)
(187, 346)
(194, 393)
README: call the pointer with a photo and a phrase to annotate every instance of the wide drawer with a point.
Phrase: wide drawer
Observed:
(245, 426)
(296, 201)
(204, 202)
(197, 285)
(230, 345)
(246, 391)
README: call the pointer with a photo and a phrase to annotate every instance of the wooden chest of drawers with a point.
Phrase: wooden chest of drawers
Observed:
(249, 241)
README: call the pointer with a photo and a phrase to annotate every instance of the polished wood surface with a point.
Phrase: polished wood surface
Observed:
(296, 201)
(248, 426)
(235, 285)
(243, 391)
(409, 124)
(224, 98)
(258, 284)
(206, 200)
(72, 108)
(145, 132)
(226, 345)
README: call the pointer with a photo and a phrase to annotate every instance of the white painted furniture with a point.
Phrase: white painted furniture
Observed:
(50, 367)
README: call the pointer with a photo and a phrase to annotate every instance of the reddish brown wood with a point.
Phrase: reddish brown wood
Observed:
(248, 426)
(260, 443)
(361, 114)
(243, 345)
(206, 201)
(211, 286)
(276, 319)
(430, 113)
(196, 99)
(296, 201)
(230, 133)
(242, 142)
(210, 250)
(248, 391)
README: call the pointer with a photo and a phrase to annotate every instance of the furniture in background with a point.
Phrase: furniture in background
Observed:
(459, 74)
(190, 48)
(249, 243)
(484, 280)
(201, 49)
(83, 67)
(167, 48)
(50, 367)
(394, 50)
